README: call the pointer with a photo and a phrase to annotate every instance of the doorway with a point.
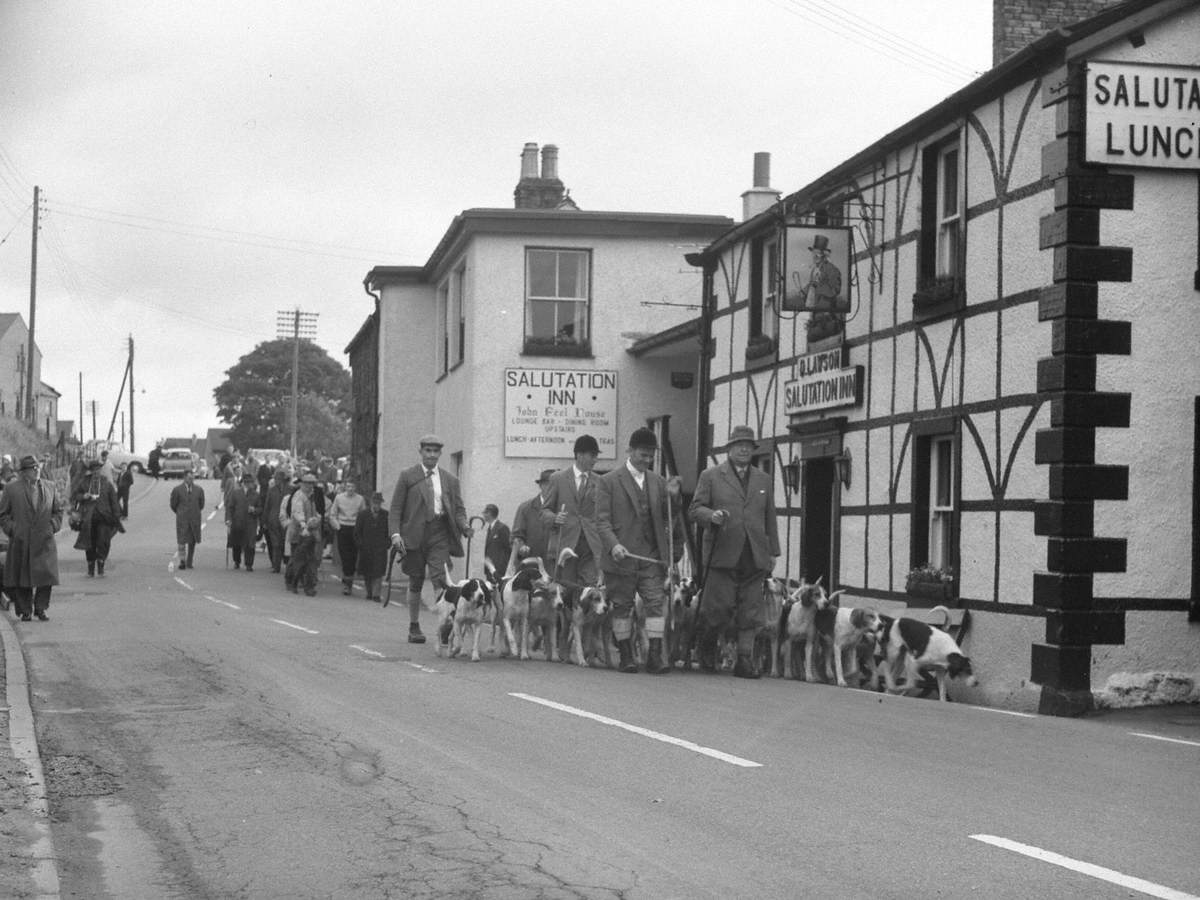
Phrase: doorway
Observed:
(816, 546)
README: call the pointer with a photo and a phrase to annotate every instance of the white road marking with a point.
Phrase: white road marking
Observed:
(644, 732)
(1004, 712)
(1112, 877)
(1159, 737)
(365, 650)
(297, 627)
(422, 668)
(184, 583)
(222, 602)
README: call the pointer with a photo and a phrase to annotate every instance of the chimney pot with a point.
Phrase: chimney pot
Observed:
(762, 169)
(529, 161)
(550, 161)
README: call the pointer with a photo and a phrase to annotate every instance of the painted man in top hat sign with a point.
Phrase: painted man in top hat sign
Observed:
(821, 291)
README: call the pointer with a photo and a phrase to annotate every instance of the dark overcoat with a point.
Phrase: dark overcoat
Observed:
(371, 535)
(242, 510)
(32, 559)
(187, 509)
(100, 517)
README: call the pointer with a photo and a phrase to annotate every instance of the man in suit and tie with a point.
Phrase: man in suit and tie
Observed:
(187, 502)
(636, 536)
(427, 521)
(736, 501)
(497, 545)
(30, 515)
(570, 510)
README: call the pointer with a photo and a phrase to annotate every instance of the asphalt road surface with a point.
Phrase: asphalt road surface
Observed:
(206, 734)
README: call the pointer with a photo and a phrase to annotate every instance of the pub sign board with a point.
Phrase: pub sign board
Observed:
(816, 269)
(545, 410)
(1142, 114)
(823, 380)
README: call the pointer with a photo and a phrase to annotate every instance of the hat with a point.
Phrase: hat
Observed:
(431, 440)
(29, 462)
(820, 242)
(545, 476)
(741, 433)
(377, 496)
(643, 439)
(585, 443)
(308, 478)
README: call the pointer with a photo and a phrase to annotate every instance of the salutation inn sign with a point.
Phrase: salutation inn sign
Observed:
(823, 380)
(1144, 115)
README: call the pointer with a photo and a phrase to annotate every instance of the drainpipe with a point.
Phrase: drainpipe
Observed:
(708, 266)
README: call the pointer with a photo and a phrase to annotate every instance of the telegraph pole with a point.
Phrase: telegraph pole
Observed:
(132, 447)
(31, 407)
(300, 324)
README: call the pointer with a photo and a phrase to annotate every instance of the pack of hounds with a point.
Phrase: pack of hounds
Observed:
(808, 632)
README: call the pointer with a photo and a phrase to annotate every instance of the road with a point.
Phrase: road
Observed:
(206, 734)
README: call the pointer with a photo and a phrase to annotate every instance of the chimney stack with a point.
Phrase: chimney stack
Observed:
(539, 190)
(762, 196)
(1018, 23)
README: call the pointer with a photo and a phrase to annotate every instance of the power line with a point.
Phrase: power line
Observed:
(20, 218)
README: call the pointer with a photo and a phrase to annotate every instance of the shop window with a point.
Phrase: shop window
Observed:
(557, 302)
(940, 284)
(934, 525)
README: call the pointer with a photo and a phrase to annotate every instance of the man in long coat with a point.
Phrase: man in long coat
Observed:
(737, 503)
(427, 521)
(187, 501)
(272, 527)
(632, 520)
(242, 509)
(30, 515)
(530, 533)
(570, 510)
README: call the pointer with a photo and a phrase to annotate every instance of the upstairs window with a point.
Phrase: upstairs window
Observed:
(458, 316)
(557, 302)
(940, 248)
(443, 329)
(763, 307)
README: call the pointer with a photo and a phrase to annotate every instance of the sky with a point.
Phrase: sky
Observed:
(205, 166)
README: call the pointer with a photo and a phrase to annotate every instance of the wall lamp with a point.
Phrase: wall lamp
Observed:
(791, 476)
(843, 468)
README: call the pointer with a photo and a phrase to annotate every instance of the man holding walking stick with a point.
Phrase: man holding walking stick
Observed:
(638, 536)
(737, 502)
(427, 521)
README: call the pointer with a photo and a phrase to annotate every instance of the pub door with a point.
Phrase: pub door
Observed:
(820, 478)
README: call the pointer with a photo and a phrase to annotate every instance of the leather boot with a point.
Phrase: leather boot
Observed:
(100, 566)
(746, 667)
(91, 568)
(626, 663)
(706, 649)
(655, 664)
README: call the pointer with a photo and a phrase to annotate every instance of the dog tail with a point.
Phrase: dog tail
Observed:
(945, 613)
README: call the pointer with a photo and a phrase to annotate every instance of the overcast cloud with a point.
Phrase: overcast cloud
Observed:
(205, 165)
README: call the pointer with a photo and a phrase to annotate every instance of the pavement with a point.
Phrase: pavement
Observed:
(28, 867)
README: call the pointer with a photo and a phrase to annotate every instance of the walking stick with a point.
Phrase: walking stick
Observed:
(471, 524)
(387, 598)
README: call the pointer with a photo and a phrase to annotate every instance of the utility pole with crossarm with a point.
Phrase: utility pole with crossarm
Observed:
(296, 324)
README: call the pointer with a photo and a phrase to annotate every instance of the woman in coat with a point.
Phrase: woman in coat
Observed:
(100, 515)
(371, 536)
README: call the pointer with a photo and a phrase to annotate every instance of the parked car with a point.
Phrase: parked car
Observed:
(175, 461)
(117, 454)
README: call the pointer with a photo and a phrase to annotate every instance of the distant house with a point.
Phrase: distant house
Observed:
(47, 410)
(14, 366)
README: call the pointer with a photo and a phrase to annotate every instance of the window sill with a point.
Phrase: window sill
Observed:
(550, 347)
(939, 298)
(761, 351)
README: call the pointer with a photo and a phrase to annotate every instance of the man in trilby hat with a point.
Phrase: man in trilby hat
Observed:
(736, 501)
(530, 533)
(30, 515)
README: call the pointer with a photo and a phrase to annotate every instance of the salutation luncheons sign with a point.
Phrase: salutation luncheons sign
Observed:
(823, 381)
(1143, 115)
(546, 409)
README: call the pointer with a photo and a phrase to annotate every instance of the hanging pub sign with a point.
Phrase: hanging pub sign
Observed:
(816, 269)
(1142, 114)
(823, 381)
(545, 410)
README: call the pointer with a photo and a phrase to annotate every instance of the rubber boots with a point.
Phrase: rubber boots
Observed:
(655, 663)
(626, 663)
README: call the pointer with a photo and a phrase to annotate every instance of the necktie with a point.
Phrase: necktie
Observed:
(582, 482)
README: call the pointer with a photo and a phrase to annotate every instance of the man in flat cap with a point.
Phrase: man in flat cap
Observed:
(735, 502)
(636, 534)
(427, 521)
(530, 533)
(30, 515)
(570, 511)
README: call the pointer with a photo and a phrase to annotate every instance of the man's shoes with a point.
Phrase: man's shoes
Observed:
(745, 667)
(626, 663)
(274, 570)
(347, 588)
(249, 568)
(293, 589)
(237, 565)
(26, 617)
(414, 634)
(707, 651)
(100, 567)
(91, 570)
(42, 617)
(310, 592)
(654, 658)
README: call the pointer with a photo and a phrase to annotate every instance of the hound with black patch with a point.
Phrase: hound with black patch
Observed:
(514, 593)
(849, 627)
(475, 608)
(685, 595)
(919, 647)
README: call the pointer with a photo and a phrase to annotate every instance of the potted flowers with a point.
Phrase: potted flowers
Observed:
(930, 583)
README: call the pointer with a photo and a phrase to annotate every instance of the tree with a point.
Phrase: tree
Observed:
(255, 399)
